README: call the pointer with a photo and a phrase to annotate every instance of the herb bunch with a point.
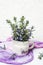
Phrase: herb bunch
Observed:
(20, 31)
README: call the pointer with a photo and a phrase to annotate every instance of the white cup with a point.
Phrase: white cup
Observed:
(18, 46)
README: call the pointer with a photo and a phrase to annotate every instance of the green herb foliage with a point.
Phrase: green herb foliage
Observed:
(40, 56)
(20, 32)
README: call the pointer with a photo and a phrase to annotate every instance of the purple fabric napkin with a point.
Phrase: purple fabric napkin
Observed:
(5, 56)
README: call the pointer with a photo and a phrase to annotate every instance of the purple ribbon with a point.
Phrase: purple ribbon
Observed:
(19, 60)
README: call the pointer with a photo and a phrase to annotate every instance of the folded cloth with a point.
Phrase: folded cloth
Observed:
(11, 58)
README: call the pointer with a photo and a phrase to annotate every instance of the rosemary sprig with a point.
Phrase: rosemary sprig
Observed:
(4, 47)
(20, 32)
(40, 56)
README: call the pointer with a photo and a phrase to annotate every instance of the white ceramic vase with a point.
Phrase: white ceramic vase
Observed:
(19, 47)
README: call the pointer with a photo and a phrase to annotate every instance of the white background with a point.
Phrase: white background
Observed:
(32, 10)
